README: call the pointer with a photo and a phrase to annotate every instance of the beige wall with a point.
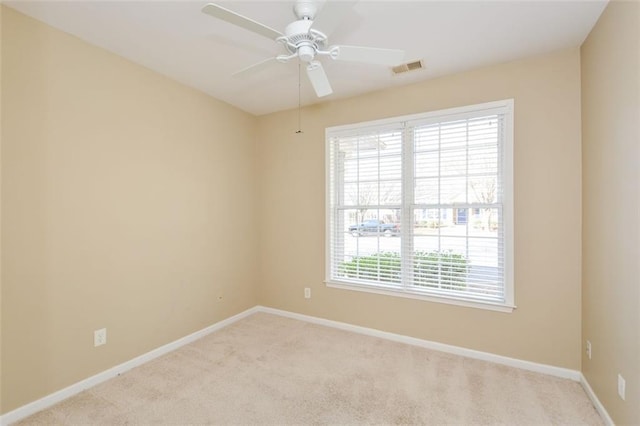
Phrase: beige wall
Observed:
(545, 327)
(611, 200)
(127, 203)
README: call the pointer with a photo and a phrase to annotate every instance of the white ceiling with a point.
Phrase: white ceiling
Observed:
(176, 39)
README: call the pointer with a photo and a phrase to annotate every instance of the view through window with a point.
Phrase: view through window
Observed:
(422, 205)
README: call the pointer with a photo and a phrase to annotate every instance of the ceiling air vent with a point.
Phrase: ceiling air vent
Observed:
(409, 66)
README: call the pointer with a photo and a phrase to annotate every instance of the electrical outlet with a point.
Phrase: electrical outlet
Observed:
(100, 337)
(588, 349)
(307, 293)
(622, 384)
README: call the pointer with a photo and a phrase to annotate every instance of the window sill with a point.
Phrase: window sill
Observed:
(498, 307)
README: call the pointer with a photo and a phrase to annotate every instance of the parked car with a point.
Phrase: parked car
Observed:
(374, 226)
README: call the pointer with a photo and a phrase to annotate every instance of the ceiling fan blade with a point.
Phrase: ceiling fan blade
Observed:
(241, 21)
(331, 15)
(255, 68)
(318, 79)
(369, 55)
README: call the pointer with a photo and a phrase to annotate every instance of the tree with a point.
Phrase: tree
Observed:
(485, 190)
(367, 195)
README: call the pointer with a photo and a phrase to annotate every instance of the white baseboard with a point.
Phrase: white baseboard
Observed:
(456, 350)
(551, 370)
(595, 401)
(49, 400)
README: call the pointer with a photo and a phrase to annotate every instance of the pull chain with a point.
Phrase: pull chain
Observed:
(299, 103)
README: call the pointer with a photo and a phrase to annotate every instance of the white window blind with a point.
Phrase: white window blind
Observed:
(422, 205)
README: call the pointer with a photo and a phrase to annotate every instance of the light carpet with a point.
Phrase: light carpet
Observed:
(266, 369)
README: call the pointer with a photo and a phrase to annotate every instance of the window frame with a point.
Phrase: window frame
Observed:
(506, 108)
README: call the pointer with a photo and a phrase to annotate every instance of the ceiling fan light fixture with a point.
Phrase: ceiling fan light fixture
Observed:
(306, 53)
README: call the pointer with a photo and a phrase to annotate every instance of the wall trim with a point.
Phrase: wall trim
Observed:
(52, 399)
(595, 401)
(551, 370)
(58, 396)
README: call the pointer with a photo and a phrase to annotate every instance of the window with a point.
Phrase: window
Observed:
(422, 206)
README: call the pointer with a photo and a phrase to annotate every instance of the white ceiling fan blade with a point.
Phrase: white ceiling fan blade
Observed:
(369, 55)
(331, 15)
(255, 68)
(318, 79)
(241, 21)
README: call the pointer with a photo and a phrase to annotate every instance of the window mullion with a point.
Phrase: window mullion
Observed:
(378, 202)
(338, 240)
(406, 213)
(439, 199)
(423, 162)
(466, 190)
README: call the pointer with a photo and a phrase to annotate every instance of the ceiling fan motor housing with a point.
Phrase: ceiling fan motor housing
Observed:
(300, 40)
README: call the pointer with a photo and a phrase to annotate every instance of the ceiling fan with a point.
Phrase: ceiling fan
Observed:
(306, 39)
